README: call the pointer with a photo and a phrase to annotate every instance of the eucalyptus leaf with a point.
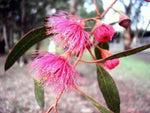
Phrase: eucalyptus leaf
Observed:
(108, 89)
(106, 83)
(128, 52)
(28, 40)
(39, 93)
(100, 107)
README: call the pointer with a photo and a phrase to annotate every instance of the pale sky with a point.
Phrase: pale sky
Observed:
(112, 17)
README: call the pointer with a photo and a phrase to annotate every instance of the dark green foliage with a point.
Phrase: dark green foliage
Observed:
(98, 52)
(108, 89)
(27, 41)
(107, 84)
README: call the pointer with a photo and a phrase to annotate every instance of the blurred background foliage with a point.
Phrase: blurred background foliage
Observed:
(17, 17)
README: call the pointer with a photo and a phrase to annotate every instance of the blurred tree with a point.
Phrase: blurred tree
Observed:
(88, 14)
(19, 16)
(73, 6)
(8, 14)
(133, 10)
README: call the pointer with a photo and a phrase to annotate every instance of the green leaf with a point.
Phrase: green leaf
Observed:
(39, 93)
(107, 84)
(128, 52)
(100, 107)
(108, 89)
(27, 41)
(102, 45)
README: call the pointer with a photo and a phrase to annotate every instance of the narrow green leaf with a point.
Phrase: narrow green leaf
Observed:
(108, 89)
(100, 107)
(128, 52)
(107, 84)
(39, 93)
(27, 41)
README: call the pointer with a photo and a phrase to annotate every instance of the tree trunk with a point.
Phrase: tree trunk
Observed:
(135, 38)
(22, 17)
(23, 59)
(2, 45)
(11, 38)
(127, 36)
(73, 6)
(5, 35)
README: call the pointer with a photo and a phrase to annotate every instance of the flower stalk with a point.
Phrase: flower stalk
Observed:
(97, 11)
(55, 103)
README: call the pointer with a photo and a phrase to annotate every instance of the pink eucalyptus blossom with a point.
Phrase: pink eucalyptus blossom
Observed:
(55, 71)
(104, 33)
(110, 64)
(69, 30)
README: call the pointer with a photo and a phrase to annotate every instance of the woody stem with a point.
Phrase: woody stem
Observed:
(78, 59)
(97, 11)
(97, 47)
(116, 11)
(92, 54)
(49, 110)
(104, 13)
(94, 61)
(55, 104)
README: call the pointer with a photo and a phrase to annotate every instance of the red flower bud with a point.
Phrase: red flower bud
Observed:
(104, 33)
(124, 21)
(147, 0)
(109, 64)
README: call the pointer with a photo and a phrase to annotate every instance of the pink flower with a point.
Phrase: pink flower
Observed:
(110, 64)
(104, 33)
(55, 71)
(70, 30)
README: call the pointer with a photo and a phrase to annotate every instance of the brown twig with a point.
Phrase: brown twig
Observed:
(104, 13)
(78, 59)
(51, 107)
(97, 11)
(55, 104)
(95, 60)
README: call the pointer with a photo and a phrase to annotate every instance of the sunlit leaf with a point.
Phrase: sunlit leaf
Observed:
(39, 93)
(27, 41)
(108, 89)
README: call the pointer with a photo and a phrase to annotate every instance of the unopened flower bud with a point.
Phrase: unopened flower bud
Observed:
(147, 0)
(124, 21)
(109, 64)
(104, 33)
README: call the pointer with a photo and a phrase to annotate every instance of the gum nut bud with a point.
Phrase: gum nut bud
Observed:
(104, 33)
(147, 0)
(124, 21)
